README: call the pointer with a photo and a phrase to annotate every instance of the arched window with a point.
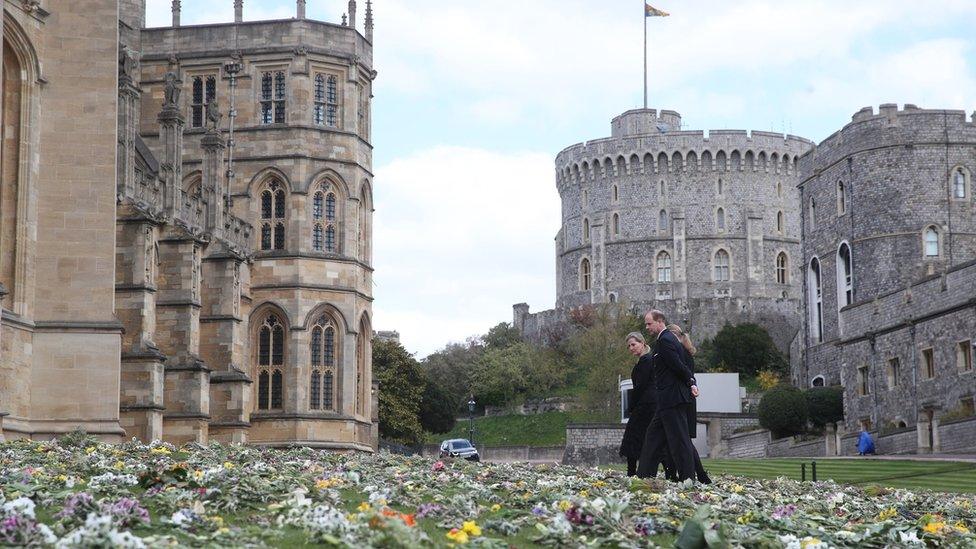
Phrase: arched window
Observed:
(664, 267)
(616, 225)
(586, 230)
(271, 362)
(204, 91)
(324, 219)
(273, 216)
(816, 300)
(779, 189)
(616, 193)
(841, 199)
(782, 268)
(586, 199)
(720, 219)
(326, 111)
(365, 217)
(845, 276)
(722, 271)
(817, 381)
(323, 367)
(780, 222)
(363, 354)
(661, 188)
(585, 275)
(932, 247)
(662, 221)
(613, 297)
(273, 97)
(960, 182)
(718, 187)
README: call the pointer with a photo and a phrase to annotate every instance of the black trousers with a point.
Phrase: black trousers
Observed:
(669, 427)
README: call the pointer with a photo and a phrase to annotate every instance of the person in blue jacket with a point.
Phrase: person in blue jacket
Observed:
(865, 444)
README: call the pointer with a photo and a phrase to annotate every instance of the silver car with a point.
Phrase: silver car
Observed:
(459, 447)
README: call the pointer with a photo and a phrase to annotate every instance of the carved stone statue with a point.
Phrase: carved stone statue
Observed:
(213, 115)
(173, 87)
(127, 62)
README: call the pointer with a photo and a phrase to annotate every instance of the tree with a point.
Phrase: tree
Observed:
(783, 410)
(501, 336)
(825, 405)
(499, 376)
(746, 349)
(402, 385)
(599, 356)
(437, 408)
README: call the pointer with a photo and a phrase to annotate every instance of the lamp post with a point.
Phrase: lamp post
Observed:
(471, 420)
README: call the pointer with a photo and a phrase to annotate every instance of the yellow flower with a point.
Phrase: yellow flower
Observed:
(228, 465)
(363, 507)
(459, 536)
(495, 508)
(961, 528)
(807, 542)
(63, 478)
(599, 484)
(564, 505)
(198, 474)
(736, 488)
(652, 510)
(223, 530)
(90, 450)
(120, 465)
(934, 527)
(745, 519)
(887, 514)
(160, 450)
(584, 493)
(471, 528)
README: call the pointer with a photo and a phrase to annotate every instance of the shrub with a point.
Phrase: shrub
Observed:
(767, 379)
(825, 405)
(783, 410)
(746, 349)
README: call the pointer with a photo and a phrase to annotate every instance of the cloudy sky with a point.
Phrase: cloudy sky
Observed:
(475, 98)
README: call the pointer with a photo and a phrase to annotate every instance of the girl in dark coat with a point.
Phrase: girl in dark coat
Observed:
(641, 406)
(689, 360)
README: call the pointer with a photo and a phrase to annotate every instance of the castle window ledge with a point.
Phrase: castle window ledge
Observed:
(186, 415)
(232, 376)
(277, 416)
(195, 366)
(142, 408)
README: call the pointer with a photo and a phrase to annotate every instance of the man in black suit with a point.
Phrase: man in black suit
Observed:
(675, 388)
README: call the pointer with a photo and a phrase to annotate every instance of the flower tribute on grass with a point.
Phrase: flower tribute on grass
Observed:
(78, 493)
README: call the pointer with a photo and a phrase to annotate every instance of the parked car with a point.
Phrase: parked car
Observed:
(459, 447)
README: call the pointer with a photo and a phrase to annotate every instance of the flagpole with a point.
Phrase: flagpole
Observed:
(645, 56)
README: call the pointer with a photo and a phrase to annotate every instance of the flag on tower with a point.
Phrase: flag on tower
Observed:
(651, 11)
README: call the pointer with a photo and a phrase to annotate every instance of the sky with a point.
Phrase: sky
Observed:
(474, 99)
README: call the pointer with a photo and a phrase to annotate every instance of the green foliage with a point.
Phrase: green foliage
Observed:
(825, 405)
(783, 410)
(598, 355)
(501, 336)
(437, 408)
(499, 376)
(547, 429)
(746, 349)
(402, 386)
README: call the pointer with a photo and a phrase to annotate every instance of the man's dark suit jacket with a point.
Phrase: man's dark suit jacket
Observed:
(672, 378)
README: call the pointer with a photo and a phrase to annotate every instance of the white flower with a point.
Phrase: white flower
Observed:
(910, 537)
(21, 506)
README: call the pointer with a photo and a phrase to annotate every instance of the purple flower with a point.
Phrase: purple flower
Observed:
(127, 512)
(77, 505)
(538, 511)
(428, 510)
(784, 511)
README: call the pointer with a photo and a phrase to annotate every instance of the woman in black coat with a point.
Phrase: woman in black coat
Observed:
(688, 356)
(641, 405)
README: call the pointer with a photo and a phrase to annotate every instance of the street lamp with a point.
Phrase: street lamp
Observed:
(471, 420)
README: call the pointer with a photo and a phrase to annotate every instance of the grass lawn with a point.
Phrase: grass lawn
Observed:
(946, 476)
(547, 429)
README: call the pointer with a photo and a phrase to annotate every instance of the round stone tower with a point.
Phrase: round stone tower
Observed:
(706, 228)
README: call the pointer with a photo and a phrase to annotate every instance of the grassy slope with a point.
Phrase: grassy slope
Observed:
(931, 475)
(547, 429)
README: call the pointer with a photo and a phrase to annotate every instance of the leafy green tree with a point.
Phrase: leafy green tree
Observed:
(783, 410)
(500, 375)
(402, 385)
(825, 405)
(600, 357)
(501, 336)
(454, 365)
(746, 349)
(438, 408)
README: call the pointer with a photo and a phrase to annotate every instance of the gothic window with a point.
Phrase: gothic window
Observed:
(204, 91)
(779, 222)
(928, 363)
(817, 381)
(326, 100)
(664, 267)
(616, 225)
(273, 216)
(841, 199)
(863, 381)
(271, 362)
(323, 367)
(816, 300)
(813, 214)
(586, 230)
(964, 355)
(616, 193)
(931, 237)
(324, 219)
(894, 367)
(782, 268)
(586, 199)
(960, 182)
(845, 276)
(719, 187)
(662, 221)
(364, 94)
(362, 358)
(273, 97)
(585, 275)
(722, 272)
(365, 212)
(720, 219)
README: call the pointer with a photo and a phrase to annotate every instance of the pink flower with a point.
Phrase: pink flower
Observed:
(438, 466)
